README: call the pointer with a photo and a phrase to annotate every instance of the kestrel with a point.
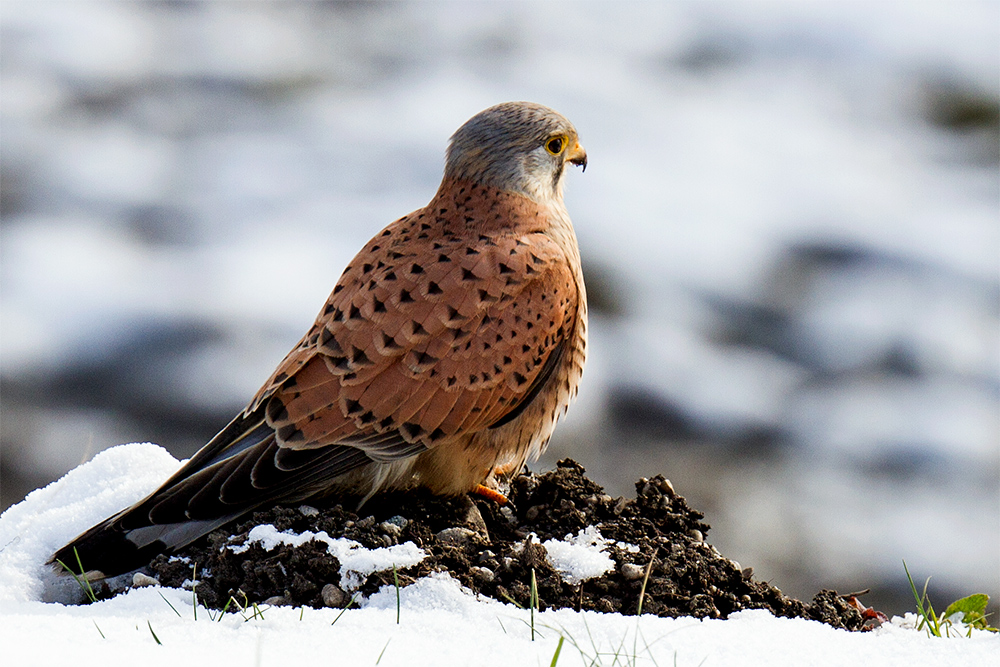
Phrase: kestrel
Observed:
(443, 358)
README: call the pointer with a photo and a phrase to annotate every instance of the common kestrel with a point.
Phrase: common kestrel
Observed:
(449, 348)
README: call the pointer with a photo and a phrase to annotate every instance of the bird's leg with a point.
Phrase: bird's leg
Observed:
(498, 477)
(486, 492)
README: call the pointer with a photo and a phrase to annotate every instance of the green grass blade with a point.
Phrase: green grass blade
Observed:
(916, 596)
(555, 656)
(226, 607)
(395, 579)
(168, 603)
(83, 573)
(194, 588)
(158, 642)
(82, 583)
(383, 650)
(348, 606)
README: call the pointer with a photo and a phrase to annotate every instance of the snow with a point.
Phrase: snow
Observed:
(439, 623)
(356, 562)
(580, 556)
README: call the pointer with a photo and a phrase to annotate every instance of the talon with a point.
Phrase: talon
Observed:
(488, 493)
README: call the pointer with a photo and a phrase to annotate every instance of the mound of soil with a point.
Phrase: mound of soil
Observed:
(492, 550)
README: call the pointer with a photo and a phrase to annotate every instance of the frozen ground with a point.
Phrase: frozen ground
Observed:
(788, 224)
(438, 623)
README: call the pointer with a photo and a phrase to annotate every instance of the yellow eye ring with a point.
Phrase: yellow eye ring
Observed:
(555, 145)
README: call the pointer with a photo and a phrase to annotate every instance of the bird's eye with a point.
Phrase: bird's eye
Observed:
(555, 145)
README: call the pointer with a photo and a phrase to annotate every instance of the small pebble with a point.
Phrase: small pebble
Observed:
(333, 596)
(484, 574)
(747, 573)
(632, 572)
(455, 537)
(696, 535)
(666, 487)
(139, 580)
(390, 528)
(277, 601)
(308, 510)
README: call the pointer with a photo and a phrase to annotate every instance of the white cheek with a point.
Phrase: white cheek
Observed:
(539, 167)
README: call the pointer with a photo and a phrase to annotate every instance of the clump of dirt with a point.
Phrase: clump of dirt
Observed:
(656, 541)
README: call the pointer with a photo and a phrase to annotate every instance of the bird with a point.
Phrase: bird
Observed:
(447, 351)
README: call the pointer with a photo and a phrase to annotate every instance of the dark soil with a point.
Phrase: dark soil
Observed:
(488, 549)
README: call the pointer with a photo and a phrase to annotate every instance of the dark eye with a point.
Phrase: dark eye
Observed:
(555, 145)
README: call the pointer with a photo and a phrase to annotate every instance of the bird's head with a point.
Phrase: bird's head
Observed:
(519, 147)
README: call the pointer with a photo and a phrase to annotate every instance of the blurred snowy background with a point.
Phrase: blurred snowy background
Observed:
(790, 226)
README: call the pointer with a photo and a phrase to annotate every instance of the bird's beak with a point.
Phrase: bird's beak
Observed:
(577, 155)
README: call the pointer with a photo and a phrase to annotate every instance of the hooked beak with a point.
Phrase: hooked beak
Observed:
(577, 156)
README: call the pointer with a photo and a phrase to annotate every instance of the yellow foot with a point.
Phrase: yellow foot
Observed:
(490, 494)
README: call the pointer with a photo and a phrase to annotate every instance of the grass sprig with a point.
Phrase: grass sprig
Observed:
(81, 579)
(346, 607)
(969, 612)
(158, 642)
(395, 580)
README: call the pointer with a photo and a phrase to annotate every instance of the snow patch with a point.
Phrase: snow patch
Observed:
(32, 530)
(356, 562)
(580, 557)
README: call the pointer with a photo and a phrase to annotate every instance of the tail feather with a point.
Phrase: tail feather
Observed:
(107, 550)
(234, 474)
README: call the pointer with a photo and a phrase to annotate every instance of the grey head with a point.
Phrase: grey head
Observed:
(520, 147)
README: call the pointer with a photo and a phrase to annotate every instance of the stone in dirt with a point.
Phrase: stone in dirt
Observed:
(656, 542)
